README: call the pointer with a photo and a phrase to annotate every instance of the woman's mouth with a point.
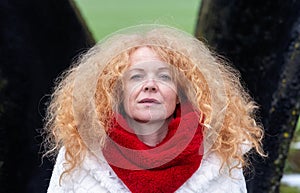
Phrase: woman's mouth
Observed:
(149, 101)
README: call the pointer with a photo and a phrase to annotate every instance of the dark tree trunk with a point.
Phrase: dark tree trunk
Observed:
(38, 39)
(262, 39)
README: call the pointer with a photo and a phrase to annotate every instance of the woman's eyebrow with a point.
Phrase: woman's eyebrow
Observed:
(164, 68)
(136, 69)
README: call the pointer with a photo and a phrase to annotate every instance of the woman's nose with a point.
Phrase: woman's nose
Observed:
(150, 86)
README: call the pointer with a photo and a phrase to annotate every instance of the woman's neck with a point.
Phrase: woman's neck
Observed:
(150, 133)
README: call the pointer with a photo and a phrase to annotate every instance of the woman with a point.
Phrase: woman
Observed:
(150, 109)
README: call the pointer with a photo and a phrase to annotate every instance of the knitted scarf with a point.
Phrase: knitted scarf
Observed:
(163, 168)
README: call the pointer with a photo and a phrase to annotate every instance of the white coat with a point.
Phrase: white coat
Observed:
(95, 176)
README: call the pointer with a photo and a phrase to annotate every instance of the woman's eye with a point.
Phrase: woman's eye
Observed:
(136, 77)
(165, 77)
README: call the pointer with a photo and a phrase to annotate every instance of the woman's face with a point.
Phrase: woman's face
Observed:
(150, 93)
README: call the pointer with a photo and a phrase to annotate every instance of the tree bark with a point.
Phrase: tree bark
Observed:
(262, 39)
(39, 39)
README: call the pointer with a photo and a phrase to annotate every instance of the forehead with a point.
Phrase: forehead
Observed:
(149, 66)
(143, 54)
(144, 58)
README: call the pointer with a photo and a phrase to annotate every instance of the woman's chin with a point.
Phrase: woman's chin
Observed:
(149, 119)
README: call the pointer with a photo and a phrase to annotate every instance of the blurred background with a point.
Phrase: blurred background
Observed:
(39, 40)
(106, 17)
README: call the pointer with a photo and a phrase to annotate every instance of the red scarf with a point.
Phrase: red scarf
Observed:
(163, 168)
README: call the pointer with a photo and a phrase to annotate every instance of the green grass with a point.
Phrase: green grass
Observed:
(297, 132)
(106, 16)
(288, 189)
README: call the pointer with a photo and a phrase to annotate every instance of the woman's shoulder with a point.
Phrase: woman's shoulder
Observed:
(212, 177)
(91, 176)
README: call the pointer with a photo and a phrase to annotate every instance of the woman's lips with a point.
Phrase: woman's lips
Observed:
(149, 100)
